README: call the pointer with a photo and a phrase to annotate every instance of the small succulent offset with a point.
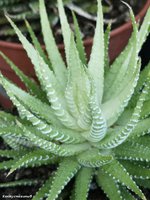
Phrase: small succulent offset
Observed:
(89, 119)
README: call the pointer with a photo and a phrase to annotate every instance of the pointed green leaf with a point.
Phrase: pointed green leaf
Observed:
(30, 84)
(96, 63)
(51, 47)
(109, 185)
(121, 70)
(99, 126)
(66, 171)
(66, 31)
(23, 182)
(5, 165)
(144, 29)
(136, 170)
(79, 41)
(141, 129)
(36, 43)
(34, 158)
(43, 191)
(47, 79)
(113, 140)
(132, 151)
(106, 40)
(82, 184)
(119, 173)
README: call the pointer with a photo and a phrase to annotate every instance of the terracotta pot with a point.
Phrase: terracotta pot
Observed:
(119, 37)
(118, 40)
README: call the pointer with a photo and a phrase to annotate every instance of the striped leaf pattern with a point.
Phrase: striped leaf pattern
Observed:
(89, 120)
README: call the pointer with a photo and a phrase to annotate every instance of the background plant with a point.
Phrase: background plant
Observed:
(20, 10)
(89, 119)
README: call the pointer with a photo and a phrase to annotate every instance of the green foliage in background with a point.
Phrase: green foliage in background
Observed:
(19, 10)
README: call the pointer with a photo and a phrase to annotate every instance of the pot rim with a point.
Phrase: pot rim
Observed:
(119, 30)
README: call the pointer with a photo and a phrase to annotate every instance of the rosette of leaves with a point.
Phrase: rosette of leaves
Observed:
(90, 119)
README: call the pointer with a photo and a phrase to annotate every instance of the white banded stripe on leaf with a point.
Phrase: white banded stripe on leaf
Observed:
(14, 135)
(56, 104)
(85, 120)
(77, 76)
(66, 171)
(64, 136)
(61, 135)
(94, 158)
(120, 174)
(36, 59)
(99, 126)
(113, 108)
(34, 158)
(56, 149)
(47, 80)
(43, 127)
(117, 139)
(141, 129)
(17, 142)
(69, 95)
(31, 103)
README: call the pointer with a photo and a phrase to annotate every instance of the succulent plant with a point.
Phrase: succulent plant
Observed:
(90, 119)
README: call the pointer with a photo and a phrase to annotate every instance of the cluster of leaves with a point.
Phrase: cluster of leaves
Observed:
(90, 119)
